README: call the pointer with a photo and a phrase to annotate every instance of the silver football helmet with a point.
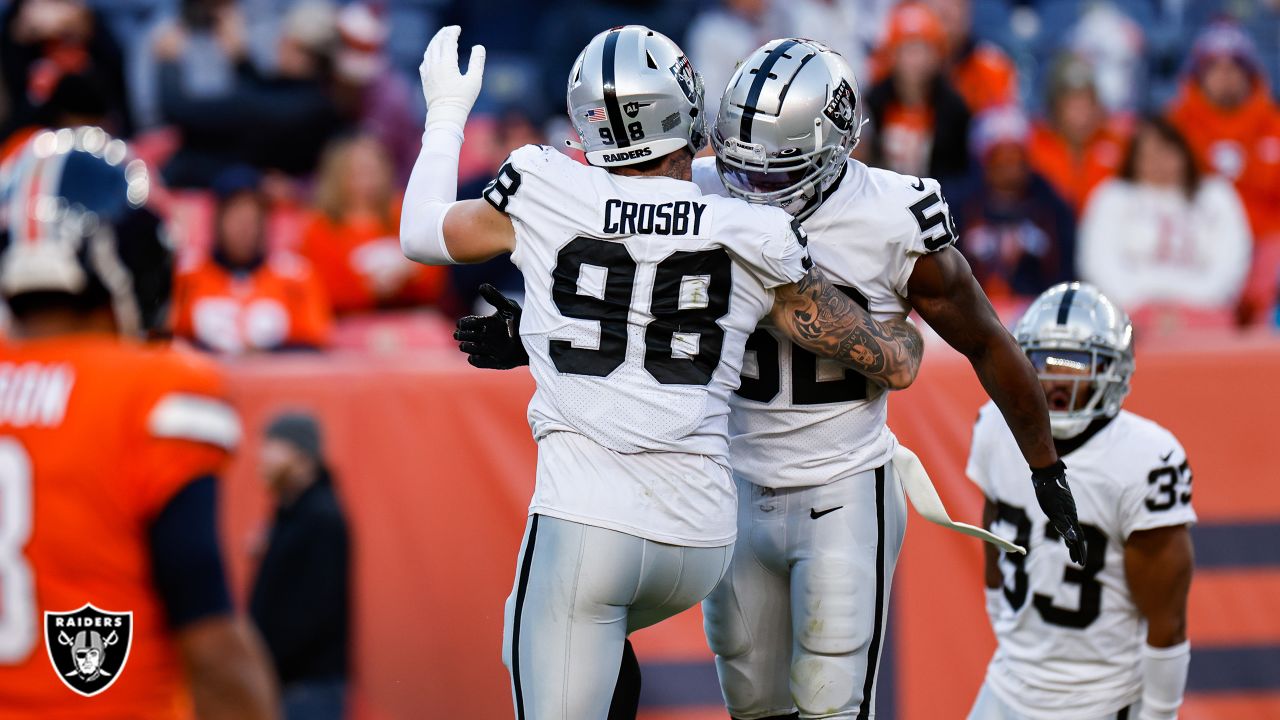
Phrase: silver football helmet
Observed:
(633, 96)
(788, 121)
(1074, 327)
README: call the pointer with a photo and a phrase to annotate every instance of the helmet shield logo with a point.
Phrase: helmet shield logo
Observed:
(840, 110)
(88, 647)
(683, 73)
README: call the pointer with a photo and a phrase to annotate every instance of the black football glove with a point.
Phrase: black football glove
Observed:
(1056, 502)
(493, 341)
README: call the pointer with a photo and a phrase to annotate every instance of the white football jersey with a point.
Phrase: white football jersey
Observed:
(639, 296)
(1069, 637)
(799, 420)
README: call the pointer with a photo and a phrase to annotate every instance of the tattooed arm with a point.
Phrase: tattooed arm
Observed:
(823, 320)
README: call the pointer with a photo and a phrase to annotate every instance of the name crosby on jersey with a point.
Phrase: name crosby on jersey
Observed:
(679, 217)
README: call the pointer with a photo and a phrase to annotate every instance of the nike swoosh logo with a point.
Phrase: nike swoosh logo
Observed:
(1166, 456)
(918, 185)
(815, 514)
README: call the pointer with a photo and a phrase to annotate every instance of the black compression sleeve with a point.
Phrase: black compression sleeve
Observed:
(186, 559)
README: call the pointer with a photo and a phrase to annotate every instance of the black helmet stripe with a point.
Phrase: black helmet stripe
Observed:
(1064, 310)
(757, 86)
(608, 73)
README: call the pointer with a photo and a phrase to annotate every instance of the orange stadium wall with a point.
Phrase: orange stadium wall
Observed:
(435, 466)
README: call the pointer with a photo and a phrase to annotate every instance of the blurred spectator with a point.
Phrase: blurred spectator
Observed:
(352, 238)
(919, 123)
(1162, 233)
(1076, 146)
(300, 597)
(514, 129)
(52, 46)
(720, 37)
(568, 25)
(983, 75)
(303, 112)
(206, 40)
(278, 123)
(1116, 46)
(1225, 111)
(375, 98)
(240, 299)
(1018, 235)
(76, 101)
(850, 27)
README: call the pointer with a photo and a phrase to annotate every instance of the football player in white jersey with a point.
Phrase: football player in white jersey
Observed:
(640, 295)
(797, 625)
(1107, 640)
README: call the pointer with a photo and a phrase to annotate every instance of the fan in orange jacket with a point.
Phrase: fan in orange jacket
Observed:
(352, 238)
(242, 298)
(1226, 112)
(1076, 145)
(982, 73)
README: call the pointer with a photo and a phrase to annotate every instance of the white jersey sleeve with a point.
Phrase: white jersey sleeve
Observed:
(978, 467)
(931, 227)
(1159, 495)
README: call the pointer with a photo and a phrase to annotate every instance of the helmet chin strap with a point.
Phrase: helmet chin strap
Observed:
(1067, 428)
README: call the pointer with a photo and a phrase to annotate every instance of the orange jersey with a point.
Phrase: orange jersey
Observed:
(349, 256)
(1072, 175)
(279, 304)
(1242, 146)
(907, 139)
(985, 77)
(96, 436)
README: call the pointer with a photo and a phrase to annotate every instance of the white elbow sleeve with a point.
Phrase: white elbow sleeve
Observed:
(1164, 680)
(432, 190)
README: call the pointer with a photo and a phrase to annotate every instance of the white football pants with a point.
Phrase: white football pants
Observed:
(798, 622)
(579, 591)
(989, 706)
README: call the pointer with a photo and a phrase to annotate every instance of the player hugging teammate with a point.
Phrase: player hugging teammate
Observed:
(649, 388)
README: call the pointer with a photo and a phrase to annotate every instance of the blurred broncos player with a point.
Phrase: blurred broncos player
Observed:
(641, 293)
(108, 454)
(797, 626)
(1108, 640)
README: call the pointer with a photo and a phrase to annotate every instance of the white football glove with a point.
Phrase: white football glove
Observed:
(449, 93)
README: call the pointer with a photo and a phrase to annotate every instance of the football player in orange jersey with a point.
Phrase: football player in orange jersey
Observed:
(113, 600)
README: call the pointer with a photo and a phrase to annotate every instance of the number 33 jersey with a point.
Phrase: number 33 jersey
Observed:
(1069, 637)
(799, 420)
(639, 296)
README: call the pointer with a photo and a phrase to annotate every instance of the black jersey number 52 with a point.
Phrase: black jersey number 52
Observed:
(712, 269)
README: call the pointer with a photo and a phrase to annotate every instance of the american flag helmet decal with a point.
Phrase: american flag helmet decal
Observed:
(597, 115)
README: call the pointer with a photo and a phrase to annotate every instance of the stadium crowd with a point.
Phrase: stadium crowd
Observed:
(1131, 143)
